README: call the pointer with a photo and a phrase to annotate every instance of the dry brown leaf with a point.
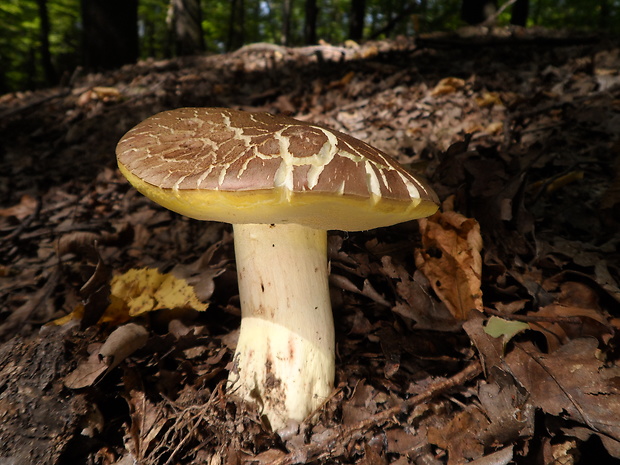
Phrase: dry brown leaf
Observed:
(451, 260)
(119, 345)
(27, 206)
(447, 85)
(488, 99)
(367, 290)
(593, 323)
(147, 418)
(88, 371)
(459, 436)
(571, 382)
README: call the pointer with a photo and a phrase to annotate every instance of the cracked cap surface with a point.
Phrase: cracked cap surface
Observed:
(240, 167)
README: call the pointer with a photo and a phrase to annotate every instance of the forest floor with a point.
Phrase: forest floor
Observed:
(485, 334)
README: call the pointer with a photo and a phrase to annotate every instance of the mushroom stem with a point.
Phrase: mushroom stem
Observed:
(285, 357)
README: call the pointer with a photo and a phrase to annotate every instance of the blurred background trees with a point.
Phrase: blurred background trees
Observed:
(43, 41)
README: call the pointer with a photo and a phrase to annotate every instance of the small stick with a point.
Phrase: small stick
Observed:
(573, 320)
(341, 435)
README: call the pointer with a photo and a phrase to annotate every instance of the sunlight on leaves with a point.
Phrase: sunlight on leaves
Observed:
(451, 260)
(143, 290)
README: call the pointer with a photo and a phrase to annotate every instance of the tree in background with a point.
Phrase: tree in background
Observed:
(40, 39)
(46, 57)
(312, 13)
(477, 11)
(236, 25)
(356, 22)
(184, 20)
(285, 38)
(110, 33)
(519, 12)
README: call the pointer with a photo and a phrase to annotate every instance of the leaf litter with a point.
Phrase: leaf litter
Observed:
(488, 334)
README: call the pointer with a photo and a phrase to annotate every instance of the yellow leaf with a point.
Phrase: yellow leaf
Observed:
(447, 85)
(76, 314)
(488, 99)
(139, 291)
(143, 290)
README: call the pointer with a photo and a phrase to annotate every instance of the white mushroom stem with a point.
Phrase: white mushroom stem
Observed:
(285, 358)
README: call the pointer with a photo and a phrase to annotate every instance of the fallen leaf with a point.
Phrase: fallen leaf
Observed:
(147, 418)
(447, 85)
(506, 329)
(26, 206)
(139, 291)
(119, 345)
(488, 99)
(571, 382)
(122, 342)
(459, 436)
(451, 260)
(144, 290)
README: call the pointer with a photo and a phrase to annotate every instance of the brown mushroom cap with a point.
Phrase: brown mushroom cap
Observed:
(240, 167)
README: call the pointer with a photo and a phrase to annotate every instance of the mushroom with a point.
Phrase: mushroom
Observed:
(282, 183)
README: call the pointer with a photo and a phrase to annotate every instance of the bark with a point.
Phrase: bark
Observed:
(110, 35)
(185, 22)
(520, 12)
(286, 22)
(236, 28)
(477, 11)
(44, 34)
(356, 26)
(312, 13)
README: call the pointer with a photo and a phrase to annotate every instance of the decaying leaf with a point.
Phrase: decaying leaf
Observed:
(573, 383)
(26, 206)
(120, 344)
(459, 436)
(147, 418)
(447, 86)
(451, 260)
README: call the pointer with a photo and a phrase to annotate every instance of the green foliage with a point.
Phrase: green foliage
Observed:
(152, 28)
(20, 26)
(20, 41)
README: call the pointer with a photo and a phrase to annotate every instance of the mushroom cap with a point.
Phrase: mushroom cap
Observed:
(235, 166)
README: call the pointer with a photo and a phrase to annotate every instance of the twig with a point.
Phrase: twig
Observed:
(25, 223)
(344, 434)
(573, 320)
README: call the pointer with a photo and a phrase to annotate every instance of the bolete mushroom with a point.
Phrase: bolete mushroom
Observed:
(282, 183)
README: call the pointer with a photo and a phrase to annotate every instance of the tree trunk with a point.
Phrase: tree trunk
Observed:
(356, 25)
(519, 12)
(604, 22)
(44, 35)
(312, 12)
(407, 10)
(477, 11)
(285, 39)
(236, 27)
(185, 21)
(110, 34)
